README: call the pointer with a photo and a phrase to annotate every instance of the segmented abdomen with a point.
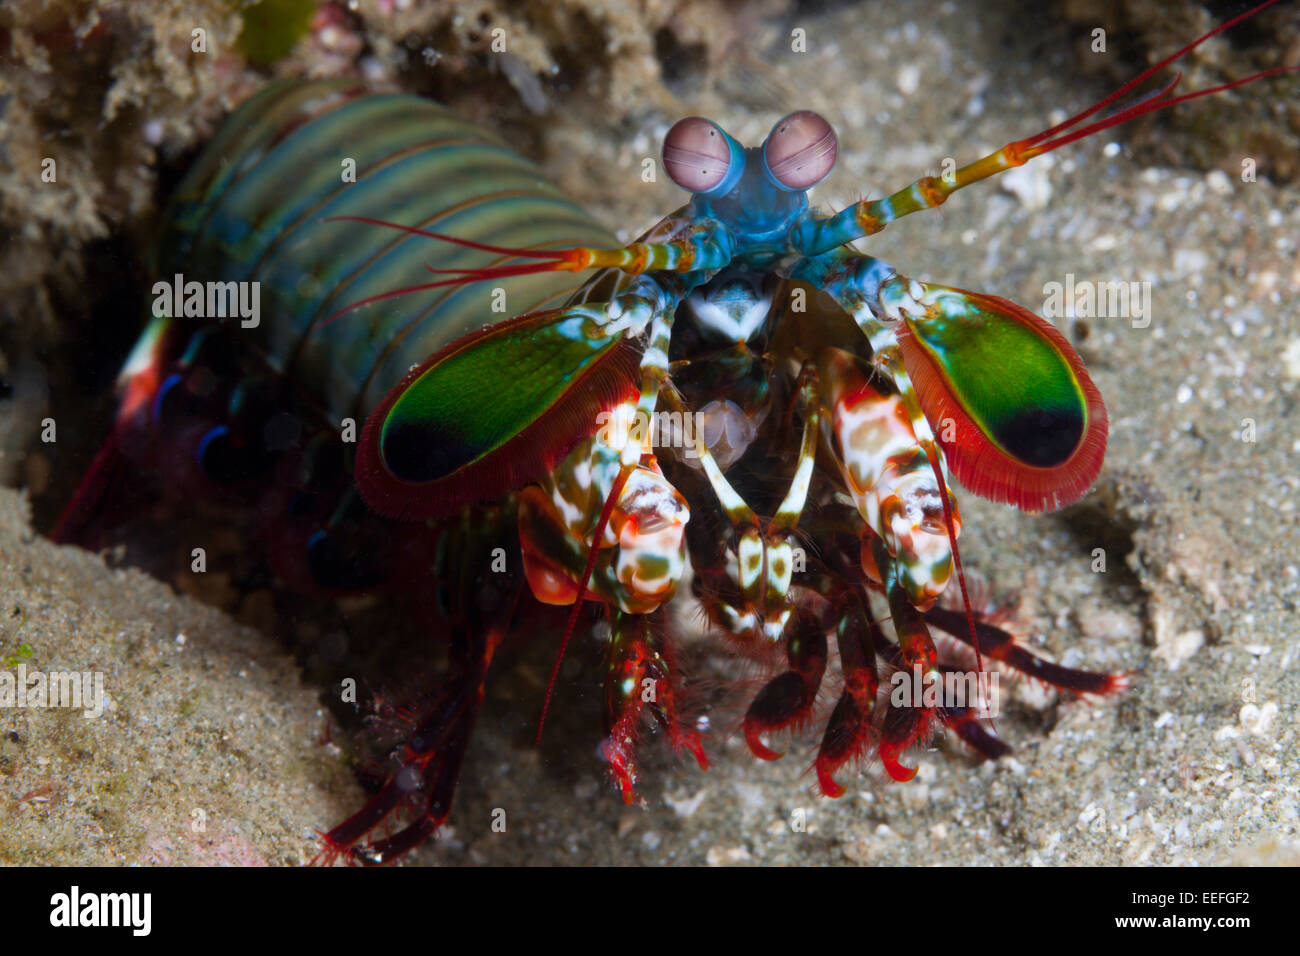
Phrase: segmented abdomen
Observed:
(254, 208)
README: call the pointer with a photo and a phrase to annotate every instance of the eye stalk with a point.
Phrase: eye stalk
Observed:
(800, 151)
(701, 157)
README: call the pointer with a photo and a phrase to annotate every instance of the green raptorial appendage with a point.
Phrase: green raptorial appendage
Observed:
(472, 401)
(1012, 381)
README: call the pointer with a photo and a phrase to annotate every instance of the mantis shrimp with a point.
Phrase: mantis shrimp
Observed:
(739, 395)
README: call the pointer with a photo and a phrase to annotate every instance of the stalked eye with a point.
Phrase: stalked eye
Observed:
(800, 151)
(701, 158)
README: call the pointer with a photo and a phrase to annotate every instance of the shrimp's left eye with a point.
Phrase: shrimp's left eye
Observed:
(800, 151)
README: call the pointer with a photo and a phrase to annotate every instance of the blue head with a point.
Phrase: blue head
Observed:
(757, 193)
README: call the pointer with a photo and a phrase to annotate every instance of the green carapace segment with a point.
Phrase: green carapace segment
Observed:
(473, 400)
(261, 204)
(1013, 383)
